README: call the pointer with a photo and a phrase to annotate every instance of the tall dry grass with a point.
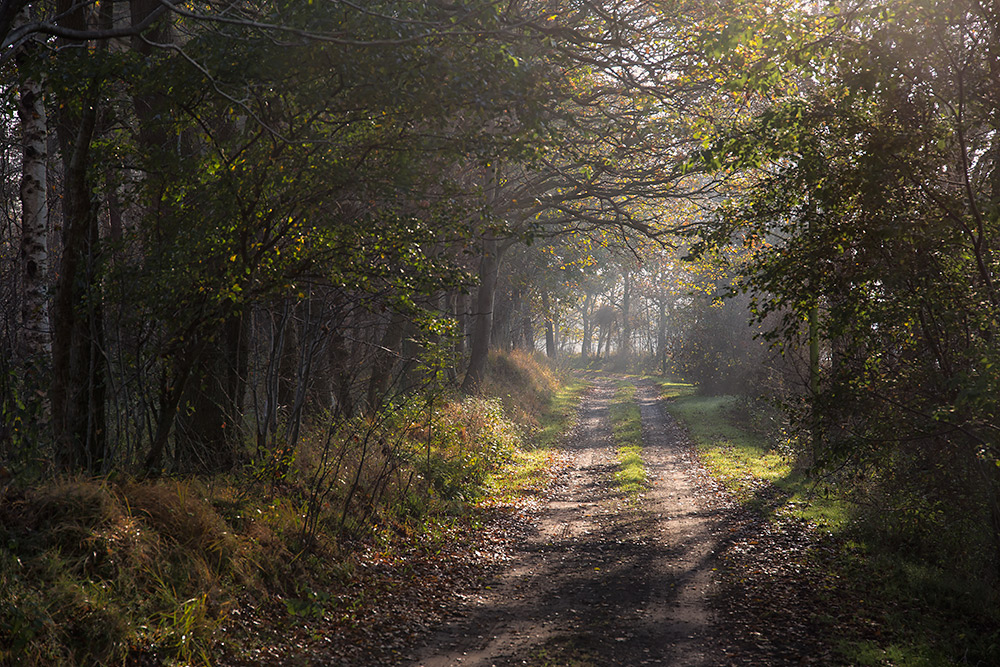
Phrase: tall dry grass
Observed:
(99, 572)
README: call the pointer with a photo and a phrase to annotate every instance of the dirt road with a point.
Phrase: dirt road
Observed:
(602, 581)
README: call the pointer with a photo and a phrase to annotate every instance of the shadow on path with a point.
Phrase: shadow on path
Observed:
(602, 580)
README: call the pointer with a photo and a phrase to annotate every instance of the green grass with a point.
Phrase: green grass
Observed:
(529, 470)
(557, 417)
(626, 425)
(928, 616)
(672, 388)
(738, 457)
(923, 615)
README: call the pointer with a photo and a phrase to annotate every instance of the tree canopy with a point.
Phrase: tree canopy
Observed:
(227, 222)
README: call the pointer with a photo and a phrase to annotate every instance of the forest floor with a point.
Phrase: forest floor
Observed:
(680, 575)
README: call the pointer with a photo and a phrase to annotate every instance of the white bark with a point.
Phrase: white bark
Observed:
(36, 341)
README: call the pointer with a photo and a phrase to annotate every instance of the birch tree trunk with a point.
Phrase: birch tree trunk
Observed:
(36, 344)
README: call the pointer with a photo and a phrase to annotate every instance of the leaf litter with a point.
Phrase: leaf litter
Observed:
(774, 598)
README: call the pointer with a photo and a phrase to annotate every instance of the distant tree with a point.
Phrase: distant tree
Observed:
(610, 133)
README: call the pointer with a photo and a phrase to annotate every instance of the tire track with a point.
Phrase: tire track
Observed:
(601, 580)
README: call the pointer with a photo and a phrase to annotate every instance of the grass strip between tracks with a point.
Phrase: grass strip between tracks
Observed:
(626, 425)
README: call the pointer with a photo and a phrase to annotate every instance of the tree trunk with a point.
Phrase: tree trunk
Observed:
(152, 133)
(626, 347)
(312, 338)
(461, 311)
(35, 341)
(482, 318)
(287, 361)
(385, 358)
(173, 387)
(209, 430)
(814, 351)
(661, 335)
(515, 332)
(77, 389)
(501, 337)
(343, 379)
(550, 336)
(527, 330)
(588, 324)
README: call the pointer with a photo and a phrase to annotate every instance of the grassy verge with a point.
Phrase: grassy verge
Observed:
(529, 471)
(899, 611)
(559, 414)
(741, 458)
(626, 425)
(350, 545)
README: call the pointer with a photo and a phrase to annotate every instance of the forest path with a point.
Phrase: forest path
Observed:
(602, 580)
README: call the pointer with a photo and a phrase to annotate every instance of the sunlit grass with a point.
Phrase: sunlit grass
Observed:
(529, 471)
(626, 424)
(672, 388)
(739, 458)
(559, 414)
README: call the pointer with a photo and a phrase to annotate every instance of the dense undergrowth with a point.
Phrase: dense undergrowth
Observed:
(879, 601)
(194, 570)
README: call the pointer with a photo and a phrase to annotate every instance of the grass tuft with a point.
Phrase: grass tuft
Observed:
(626, 425)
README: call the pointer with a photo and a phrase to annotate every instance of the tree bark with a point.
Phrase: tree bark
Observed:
(386, 355)
(588, 324)
(527, 329)
(814, 351)
(35, 340)
(343, 379)
(461, 310)
(77, 389)
(173, 388)
(482, 318)
(626, 347)
(209, 431)
(550, 336)
(514, 332)
(661, 335)
(152, 133)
